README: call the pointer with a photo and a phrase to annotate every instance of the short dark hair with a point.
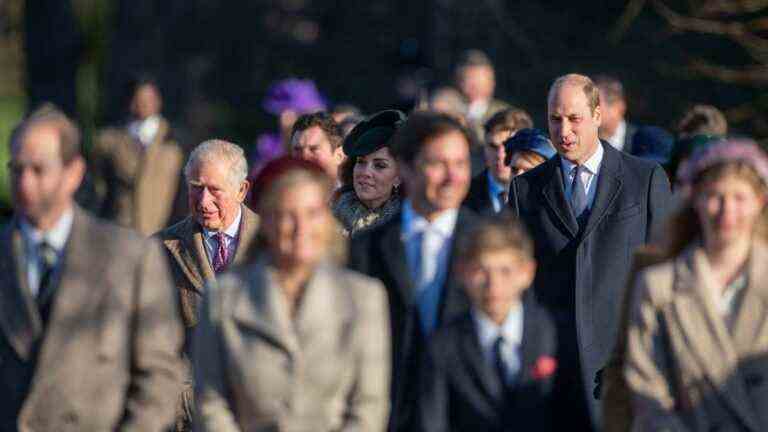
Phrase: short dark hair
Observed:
(611, 87)
(473, 57)
(136, 82)
(49, 114)
(702, 120)
(325, 122)
(492, 234)
(420, 128)
(510, 119)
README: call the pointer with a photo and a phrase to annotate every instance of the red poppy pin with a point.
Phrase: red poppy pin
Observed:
(544, 368)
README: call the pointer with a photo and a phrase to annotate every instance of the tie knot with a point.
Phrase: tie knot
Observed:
(577, 170)
(221, 236)
(47, 253)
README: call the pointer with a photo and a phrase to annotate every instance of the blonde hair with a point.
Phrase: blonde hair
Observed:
(587, 86)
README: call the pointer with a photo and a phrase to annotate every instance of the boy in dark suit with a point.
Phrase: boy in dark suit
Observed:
(492, 368)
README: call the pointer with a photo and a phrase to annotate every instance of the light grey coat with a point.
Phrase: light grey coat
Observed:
(327, 369)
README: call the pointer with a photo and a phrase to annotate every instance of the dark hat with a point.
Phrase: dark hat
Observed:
(373, 133)
(652, 143)
(529, 139)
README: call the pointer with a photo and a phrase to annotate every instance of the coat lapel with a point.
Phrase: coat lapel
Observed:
(554, 195)
(751, 319)
(249, 228)
(529, 348)
(706, 333)
(475, 362)
(18, 315)
(453, 300)
(182, 248)
(608, 188)
(394, 258)
(262, 307)
(316, 315)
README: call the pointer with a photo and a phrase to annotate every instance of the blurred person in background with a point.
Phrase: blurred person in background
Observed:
(137, 166)
(291, 341)
(349, 123)
(493, 368)
(448, 100)
(614, 128)
(588, 208)
(412, 253)
(489, 187)
(702, 120)
(653, 143)
(370, 192)
(218, 233)
(317, 138)
(342, 111)
(89, 328)
(287, 100)
(527, 149)
(697, 344)
(476, 79)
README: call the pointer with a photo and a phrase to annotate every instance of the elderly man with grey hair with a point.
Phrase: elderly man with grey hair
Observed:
(218, 232)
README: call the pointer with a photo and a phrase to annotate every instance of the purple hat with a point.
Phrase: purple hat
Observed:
(295, 95)
(727, 150)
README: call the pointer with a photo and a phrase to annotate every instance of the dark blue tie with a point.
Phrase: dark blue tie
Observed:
(578, 193)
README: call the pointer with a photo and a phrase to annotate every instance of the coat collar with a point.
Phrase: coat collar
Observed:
(718, 352)
(263, 306)
(185, 242)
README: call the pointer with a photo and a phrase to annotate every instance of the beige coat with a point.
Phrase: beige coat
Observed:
(109, 357)
(139, 189)
(328, 369)
(684, 369)
(190, 265)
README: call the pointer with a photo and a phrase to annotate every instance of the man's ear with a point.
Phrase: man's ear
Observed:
(597, 115)
(75, 172)
(242, 191)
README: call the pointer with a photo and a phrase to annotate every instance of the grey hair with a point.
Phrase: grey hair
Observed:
(219, 150)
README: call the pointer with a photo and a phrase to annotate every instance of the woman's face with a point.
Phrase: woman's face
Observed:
(728, 209)
(374, 176)
(298, 226)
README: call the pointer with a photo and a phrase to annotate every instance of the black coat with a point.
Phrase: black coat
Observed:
(582, 272)
(380, 253)
(460, 391)
(478, 199)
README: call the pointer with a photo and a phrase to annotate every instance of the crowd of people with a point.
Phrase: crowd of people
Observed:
(449, 269)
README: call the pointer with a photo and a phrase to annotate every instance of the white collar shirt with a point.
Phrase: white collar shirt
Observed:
(56, 237)
(495, 189)
(427, 248)
(145, 130)
(588, 175)
(512, 332)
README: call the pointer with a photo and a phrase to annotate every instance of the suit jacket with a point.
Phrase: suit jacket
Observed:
(327, 369)
(685, 369)
(108, 358)
(629, 135)
(139, 188)
(185, 247)
(478, 199)
(582, 271)
(461, 391)
(380, 253)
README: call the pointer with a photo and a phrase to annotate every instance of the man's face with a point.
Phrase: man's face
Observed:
(42, 186)
(495, 280)
(146, 102)
(213, 199)
(613, 111)
(572, 125)
(313, 145)
(438, 178)
(495, 153)
(476, 82)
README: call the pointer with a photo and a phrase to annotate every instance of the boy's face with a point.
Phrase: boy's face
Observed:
(495, 280)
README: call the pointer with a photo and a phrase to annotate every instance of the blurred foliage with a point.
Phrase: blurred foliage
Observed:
(12, 101)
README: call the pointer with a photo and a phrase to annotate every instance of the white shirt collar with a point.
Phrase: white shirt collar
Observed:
(414, 223)
(592, 164)
(231, 230)
(511, 328)
(617, 139)
(145, 130)
(56, 236)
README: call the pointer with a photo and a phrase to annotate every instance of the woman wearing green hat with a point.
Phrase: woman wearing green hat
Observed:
(370, 191)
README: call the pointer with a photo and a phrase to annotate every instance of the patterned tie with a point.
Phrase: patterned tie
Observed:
(48, 257)
(578, 193)
(221, 258)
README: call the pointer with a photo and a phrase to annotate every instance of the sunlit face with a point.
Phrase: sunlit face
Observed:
(572, 125)
(439, 177)
(146, 102)
(495, 280)
(213, 199)
(42, 186)
(476, 82)
(374, 177)
(520, 163)
(728, 210)
(298, 227)
(495, 153)
(313, 145)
